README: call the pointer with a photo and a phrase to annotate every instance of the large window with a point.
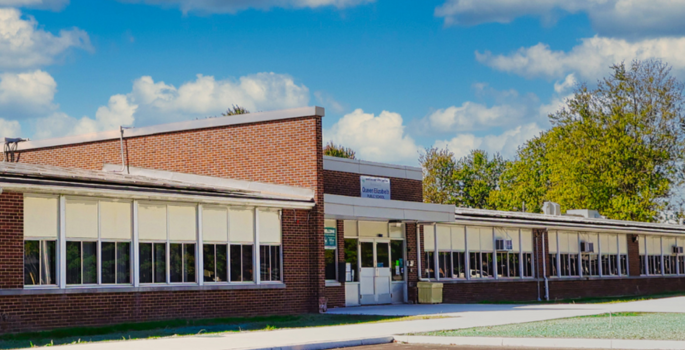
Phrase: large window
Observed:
(589, 259)
(351, 251)
(609, 255)
(41, 221)
(270, 244)
(331, 253)
(565, 246)
(40, 263)
(657, 255)
(508, 257)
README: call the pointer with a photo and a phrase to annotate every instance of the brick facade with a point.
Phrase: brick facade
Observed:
(349, 184)
(11, 240)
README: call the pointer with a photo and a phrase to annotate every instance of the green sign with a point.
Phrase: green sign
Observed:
(330, 237)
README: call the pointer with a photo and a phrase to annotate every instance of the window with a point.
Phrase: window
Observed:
(397, 259)
(331, 253)
(41, 215)
(458, 265)
(241, 263)
(82, 263)
(650, 255)
(116, 262)
(82, 233)
(40, 263)
(270, 262)
(670, 259)
(429, 248)
(182, 263)
(508, 261)
(553, 264)
(567, 249)
(152, 262)
(215, 260)
(270, 244)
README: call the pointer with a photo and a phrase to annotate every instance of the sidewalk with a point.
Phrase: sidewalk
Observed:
(458, 316)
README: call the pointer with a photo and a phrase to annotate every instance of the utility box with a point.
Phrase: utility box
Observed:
(430, 293)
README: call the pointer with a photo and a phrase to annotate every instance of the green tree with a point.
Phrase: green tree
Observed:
(438, 171)
(333, 150)
(235, 110)
(617, 148)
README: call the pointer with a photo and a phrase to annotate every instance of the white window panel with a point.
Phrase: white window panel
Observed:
(182, 222)
(593, 237)
(513, 235)
(642, 245)
(609, 244)
(527, 240)
(82, 218)
(350, 227)
(396, 231)
(41, 216)
(622, 244)
(563, 242)
(473, 239)
(428, 238)
(241, 225)
(270, 226)
(552, 243)
(458, 240)
(115, 219)
(152, 222)
(214, 224)
(573, 245)
(667, 244)
(373, 228)
(654, 245)
(486, 242)
(444, 237)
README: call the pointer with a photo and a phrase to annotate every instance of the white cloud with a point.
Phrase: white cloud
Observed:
(233, 6)
(27, 94)
(55, 5)
(590, 59)
(506, 143)
(474, 116)
(9, 128)
(24, 45)
(622, 18)
(375, 138)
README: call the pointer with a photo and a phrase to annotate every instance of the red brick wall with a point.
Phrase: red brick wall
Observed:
(48, 311)
(473, 292)
(11, 240)
(633, 256)
(348, 184)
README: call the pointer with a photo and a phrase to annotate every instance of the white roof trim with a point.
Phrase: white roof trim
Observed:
(372, 168)
(272, 190)
(179, 126)
(345, 207)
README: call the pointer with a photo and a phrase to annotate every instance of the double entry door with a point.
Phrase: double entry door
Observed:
(375, 278)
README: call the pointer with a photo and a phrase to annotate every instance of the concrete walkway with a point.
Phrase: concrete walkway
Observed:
(455, 316)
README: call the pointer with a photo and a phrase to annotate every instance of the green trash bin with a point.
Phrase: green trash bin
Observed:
(430, 293)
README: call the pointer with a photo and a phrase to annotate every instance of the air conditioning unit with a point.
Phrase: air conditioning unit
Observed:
(677, 250)
(587, 247)
(504, 244)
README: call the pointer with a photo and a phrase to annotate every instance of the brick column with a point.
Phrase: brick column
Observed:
(633, 255)
(11, 240)
(413, 232)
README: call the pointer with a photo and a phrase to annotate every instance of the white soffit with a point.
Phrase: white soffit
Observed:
(272, 190)
(372, 168)
(179, 126)
(345, 207)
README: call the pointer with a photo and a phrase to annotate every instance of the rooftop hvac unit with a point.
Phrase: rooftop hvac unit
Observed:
(677, 250)
(504, 244)
(587, 247)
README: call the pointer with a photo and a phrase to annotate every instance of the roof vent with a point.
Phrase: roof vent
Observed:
(586, 213)
(10, 147)
(551, 208)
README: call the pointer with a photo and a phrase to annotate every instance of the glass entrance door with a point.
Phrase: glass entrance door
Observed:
(376, 274)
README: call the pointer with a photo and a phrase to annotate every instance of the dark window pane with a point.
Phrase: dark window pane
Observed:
(236, 263)
(458, 265)
(90, 263)
(48, 262)
(73, 262)
(221, 262)
(264, 262)
(444, 264)
(108, 262)
(176, 262)
(367, 254)
(160, 263)
(514, 265)
(209, 262)
(474, 264)
(430, 265)
(123, 262)
(275, 263)
(397, 259)
(31, 263)
(145, 257)
(383, 254)
(351, 254)
(189, 262)
(247, 263)
(329, 257)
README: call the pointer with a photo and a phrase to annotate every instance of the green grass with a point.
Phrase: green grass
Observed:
(160, 329)
(627, 325)
(594, 300)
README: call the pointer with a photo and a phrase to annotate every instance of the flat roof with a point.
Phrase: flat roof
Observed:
(211, 122)
(364, 167)
(561, 222)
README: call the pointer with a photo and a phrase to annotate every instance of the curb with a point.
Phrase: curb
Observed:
(545, 343)
(334, 344)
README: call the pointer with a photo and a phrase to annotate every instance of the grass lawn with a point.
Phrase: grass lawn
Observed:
(627, 325)
(594, 300)
(184, 327)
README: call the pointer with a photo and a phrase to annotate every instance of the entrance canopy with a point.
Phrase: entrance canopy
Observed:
(351, 208)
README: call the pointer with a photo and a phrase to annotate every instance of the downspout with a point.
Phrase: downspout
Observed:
(544, 269)
(536, 268)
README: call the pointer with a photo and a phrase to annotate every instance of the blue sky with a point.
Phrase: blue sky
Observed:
(394, 76)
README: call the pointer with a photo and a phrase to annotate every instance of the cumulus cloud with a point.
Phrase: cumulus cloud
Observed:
(474, 116)
(590, 59)
(616, 18)
(27, 94)
(55, 5)
(24, 45)
(505, 143)
(233, 6)
(375, 138)
(9, 128)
